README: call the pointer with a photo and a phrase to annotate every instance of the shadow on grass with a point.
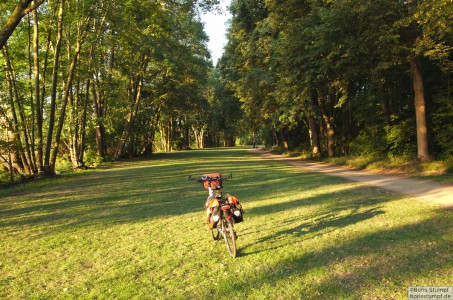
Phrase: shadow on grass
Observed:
(136, 191)
(131, 191)
(384, 262)
(320, 226)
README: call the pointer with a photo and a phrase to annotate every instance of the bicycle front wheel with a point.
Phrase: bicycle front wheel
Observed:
(229, 236)
(215, 233)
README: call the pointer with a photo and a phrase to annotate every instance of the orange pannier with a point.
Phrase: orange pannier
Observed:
(213, 182)
(233, 200)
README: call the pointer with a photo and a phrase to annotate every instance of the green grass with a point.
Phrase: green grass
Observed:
(136, 230)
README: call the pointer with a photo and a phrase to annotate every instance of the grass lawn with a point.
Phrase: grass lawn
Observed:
(136, 230)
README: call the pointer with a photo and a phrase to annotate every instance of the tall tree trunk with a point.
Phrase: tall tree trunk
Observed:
(276, 142)
(98, 116)
(32, 99)
(48, 169)
(419, 94)
(38, 106)
(420, 110)
(163, 138)
(385, 102)
(43, 94)
(284, 140)
(22, 125)
(83, 125)
(99, 95)
(11, 92)
(134, 108)
(313, 127)
(66, 93)
(169, 135)
(314, 136)
(328, 120)
(153, 126)
(74, 125)
(202, 138)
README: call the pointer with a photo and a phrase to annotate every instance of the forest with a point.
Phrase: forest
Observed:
(84, 81)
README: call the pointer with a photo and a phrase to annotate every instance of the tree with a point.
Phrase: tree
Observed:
(22, 9)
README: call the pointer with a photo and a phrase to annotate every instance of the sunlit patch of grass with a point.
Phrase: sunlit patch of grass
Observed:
(434, 170)
(137, 230)
(437, 170)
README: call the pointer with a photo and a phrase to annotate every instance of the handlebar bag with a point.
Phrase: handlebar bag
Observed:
(214, 183)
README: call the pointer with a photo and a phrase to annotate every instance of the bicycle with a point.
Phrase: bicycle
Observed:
(223, 213)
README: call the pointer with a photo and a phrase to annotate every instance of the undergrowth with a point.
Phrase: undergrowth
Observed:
(437, 170)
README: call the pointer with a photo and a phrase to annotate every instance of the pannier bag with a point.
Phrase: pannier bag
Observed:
(214, 183)
(238, 213)
(214, 217)
(236, 209)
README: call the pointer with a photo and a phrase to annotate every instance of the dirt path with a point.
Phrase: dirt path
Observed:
(423, 189)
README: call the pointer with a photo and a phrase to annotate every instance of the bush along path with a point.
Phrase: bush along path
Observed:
(427, 190)
(136, 230)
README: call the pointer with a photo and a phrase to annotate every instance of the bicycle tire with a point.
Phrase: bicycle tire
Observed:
(229, 237)
(215, 233)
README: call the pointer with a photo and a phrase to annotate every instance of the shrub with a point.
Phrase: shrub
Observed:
(92, 159)
(370, 141)
(401, 139)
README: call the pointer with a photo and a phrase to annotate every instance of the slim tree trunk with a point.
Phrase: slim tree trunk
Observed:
(314, 136)
(134, 109)
(328, 120)
(284, 140)
(22, 125)
(83, 124)
(98, 116)
(74, 124)
(53, 96)
(68, 87)
(313, 126)
(98, 94)
(32, 99)
(11, 92)
(38, 106)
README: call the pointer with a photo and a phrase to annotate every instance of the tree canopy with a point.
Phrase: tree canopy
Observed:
(346, 76)
(84, 81)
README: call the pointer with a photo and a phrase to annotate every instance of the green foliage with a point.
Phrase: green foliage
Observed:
(352, 55)
(92, 159)
(292, 70)
(369, 142)
(63, 164)
(142, 66)
(436, 23)
(443, 125)
(401, 138)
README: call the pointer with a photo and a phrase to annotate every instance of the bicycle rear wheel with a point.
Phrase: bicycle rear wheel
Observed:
(229, 237)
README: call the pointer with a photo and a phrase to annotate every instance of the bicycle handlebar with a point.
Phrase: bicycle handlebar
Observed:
(209, 178)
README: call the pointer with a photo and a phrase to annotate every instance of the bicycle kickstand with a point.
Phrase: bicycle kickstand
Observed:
(217, 241)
